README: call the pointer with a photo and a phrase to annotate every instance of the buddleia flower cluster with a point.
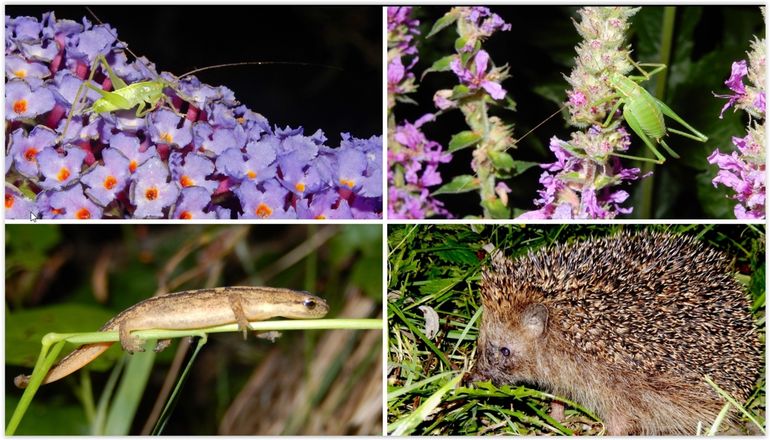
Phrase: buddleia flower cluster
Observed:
(743, 169)
(413, 159)
(583, 181)
(197, 154)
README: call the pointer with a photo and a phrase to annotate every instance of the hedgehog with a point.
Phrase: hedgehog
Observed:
(626, 325)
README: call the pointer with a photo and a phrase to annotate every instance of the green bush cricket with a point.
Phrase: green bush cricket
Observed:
(146, 95)
(644, 113)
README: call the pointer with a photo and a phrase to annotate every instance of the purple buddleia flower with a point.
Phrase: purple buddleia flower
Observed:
(130, 147)
(191, 170)
(195, 139)
(58, 170)
(192, 202)
(24, 149)
(325, 205)
(22, 101)
(266, 202)
(257, 165)
(165, 129)
(150, 190)
(107, 180)
(69, 203)
(17, 206)
(32, 72)
(298, 176)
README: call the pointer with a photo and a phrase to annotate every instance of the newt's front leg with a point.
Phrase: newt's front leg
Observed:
(129, 343)
(240, 316)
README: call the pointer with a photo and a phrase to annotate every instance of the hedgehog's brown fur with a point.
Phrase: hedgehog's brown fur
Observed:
(626, 325)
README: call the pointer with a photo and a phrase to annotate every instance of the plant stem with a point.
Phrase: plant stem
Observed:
(666, 38)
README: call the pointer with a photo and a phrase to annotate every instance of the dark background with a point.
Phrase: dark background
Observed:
(344, 98)
(540, 49)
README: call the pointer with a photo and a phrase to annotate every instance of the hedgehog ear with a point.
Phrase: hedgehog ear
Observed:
(535, 319)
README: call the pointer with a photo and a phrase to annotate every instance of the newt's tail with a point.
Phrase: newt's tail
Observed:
(74, 361)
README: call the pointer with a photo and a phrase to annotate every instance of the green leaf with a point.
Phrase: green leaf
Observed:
(130, 391)
(463, 139)
(510, 104)
(519, 166)
(496, 209)
(439, 285)
(458, 255)
(63, 418)
(458, 185)
(25, 328)
(501, 161)
(367, 275)
(440, 65)
(407, 424)
(448, 18)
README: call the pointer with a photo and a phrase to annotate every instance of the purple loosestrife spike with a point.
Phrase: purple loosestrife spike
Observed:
(580, 183)
(744, 169)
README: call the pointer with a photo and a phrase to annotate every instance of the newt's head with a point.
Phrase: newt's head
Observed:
(269, 302)
(305, 305)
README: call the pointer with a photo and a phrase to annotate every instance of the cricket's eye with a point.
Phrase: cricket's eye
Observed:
(310, 304)
(505, 351)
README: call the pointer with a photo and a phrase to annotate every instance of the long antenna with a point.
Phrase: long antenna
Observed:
(541, 123)
(110, 31)
(216, 66)
(251, 63)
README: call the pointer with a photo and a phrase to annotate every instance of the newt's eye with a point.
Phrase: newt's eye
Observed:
(310, 304)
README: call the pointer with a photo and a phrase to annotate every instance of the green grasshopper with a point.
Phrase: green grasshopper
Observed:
(144, 95)
(644, 113)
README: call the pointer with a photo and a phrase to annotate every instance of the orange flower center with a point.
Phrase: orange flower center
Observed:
(263, 211)
(151, 193)
(185, 181)
(320, 217)
(21, 73)
(20, 106)
(30, 154)
(300, 186)
(83, 214)
(56, 211)
(348, 183)
(186, 215)
(9, 199)
(110, 182)
(167, 137)
(251, 175)
(63, 174)
(132, 166)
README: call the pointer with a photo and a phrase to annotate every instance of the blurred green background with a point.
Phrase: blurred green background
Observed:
(66, 278)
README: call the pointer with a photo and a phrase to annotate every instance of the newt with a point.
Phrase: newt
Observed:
(191, 309)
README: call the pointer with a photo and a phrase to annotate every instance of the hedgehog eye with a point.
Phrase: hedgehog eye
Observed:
(310, 304)
(505, 351)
